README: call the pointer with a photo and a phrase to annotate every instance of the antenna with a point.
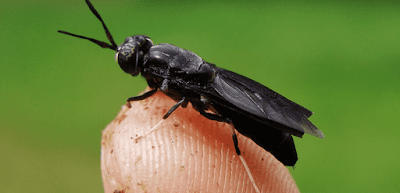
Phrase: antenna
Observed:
(102, 44)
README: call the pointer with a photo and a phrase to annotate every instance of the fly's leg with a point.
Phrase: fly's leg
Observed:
(225, 120)
(141, 97)
(174, 108)
(235, 142)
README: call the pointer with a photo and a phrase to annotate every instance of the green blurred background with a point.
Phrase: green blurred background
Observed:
(339, 59)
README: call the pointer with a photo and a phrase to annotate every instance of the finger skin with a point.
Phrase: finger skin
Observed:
(185, 153)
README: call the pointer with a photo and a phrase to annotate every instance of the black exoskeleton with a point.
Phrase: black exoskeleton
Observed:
(254, 110)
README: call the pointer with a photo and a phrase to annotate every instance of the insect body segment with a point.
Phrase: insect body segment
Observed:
(130, 53)
(254, 110)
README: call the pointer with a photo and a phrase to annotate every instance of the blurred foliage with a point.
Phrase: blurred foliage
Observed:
(337, 58)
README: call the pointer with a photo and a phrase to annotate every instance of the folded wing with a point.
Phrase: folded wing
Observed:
(253, 99)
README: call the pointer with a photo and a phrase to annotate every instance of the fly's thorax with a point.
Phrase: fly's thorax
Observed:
(179, 64)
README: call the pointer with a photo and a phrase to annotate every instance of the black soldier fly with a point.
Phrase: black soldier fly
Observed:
(256, 111)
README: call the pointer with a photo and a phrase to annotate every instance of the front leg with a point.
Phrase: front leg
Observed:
(141, 97)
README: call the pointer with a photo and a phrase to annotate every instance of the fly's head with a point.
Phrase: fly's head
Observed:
(130, 53)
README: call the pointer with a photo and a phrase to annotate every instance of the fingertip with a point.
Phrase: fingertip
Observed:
(186, 152)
